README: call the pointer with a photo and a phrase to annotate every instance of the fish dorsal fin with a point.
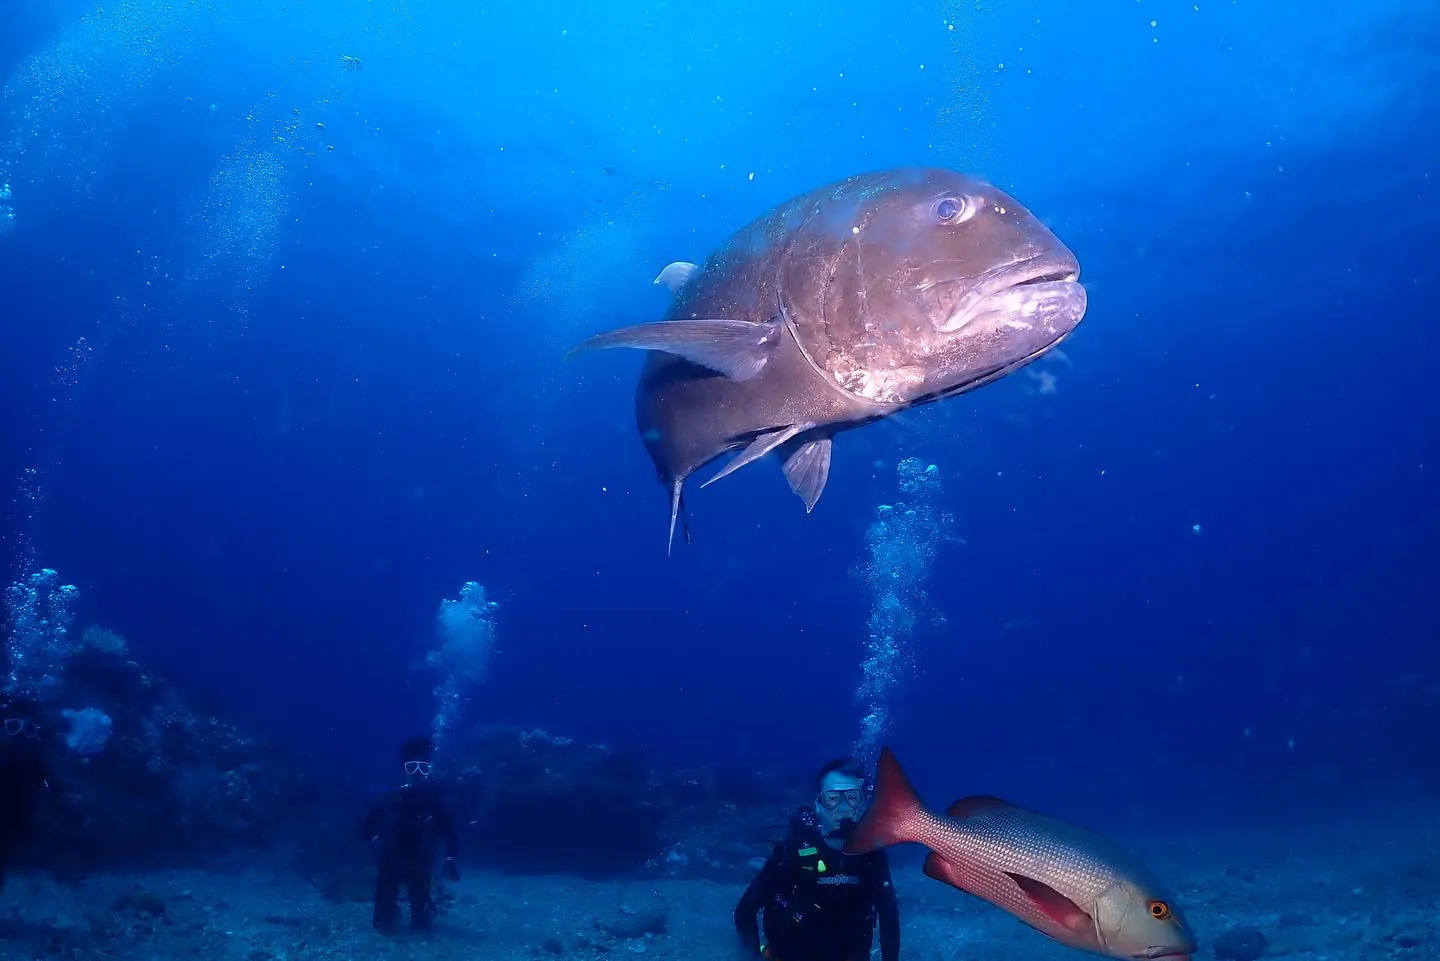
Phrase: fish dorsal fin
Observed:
(977, 804)
(677, 275)
(738, 349)
(1054, 905)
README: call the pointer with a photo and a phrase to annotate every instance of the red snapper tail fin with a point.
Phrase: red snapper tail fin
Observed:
(893, 812)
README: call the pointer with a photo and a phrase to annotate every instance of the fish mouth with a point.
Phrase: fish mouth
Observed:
(1043, 289)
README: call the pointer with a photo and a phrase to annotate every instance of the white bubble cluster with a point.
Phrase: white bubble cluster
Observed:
(902, 541)
(236, 225)
(566, 284)
(465, 629)
(61, 107)
(40, 611)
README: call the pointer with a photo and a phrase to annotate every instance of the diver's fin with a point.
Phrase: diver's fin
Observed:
(807, 468)
(1053, 904)
(677, 275)
(736, 348)
(758, 448)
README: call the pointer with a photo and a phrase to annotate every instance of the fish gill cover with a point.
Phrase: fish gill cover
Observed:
(286, 291)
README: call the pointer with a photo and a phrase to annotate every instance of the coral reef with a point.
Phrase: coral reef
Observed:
(539, 804)
(172, 784)
(164, 782)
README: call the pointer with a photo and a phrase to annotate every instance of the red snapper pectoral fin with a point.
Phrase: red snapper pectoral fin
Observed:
(1053, 904)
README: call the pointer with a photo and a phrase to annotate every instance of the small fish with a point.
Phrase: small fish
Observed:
(841, 307)
(1069, 883)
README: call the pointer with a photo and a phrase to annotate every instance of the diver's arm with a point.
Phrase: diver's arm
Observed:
(45, 781)
(370, 827)
(760, 890)
(887, 910)
(446, 824)
(55, 794)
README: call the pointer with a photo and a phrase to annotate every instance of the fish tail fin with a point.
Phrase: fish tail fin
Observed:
(893, 811)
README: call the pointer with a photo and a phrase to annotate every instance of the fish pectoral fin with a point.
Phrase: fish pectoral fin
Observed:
(677, 275)
(807, 468)
(758, 448)
(736, 348)
(942, 870)
(1053, 904)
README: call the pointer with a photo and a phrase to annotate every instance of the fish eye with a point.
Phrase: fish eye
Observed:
(1159, 910)
(950, 210)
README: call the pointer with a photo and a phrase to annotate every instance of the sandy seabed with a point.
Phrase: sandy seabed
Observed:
(1355, 886)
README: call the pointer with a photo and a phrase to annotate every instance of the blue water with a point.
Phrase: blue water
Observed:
(283, 342)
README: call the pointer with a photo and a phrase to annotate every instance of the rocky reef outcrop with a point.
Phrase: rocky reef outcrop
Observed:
(176, 784)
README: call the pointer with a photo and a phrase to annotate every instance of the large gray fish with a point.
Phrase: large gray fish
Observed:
(843, 306)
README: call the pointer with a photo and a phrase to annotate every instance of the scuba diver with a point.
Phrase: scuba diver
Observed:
(817, 903)
(24, 775)
(408, 826)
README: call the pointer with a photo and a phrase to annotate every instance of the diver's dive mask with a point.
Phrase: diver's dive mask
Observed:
(22, 727)
(852, 798)
(840, 804)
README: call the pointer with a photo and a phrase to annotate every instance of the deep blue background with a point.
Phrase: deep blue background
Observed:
(268, 485)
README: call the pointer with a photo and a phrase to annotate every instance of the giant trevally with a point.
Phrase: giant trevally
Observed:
(1061, 879)
(845, 305)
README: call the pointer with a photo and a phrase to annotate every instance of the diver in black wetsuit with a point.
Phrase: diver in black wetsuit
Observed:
(24, 775)
(409, 825)
(817, 903)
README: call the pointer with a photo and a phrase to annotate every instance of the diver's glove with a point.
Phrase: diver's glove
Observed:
(452, 870)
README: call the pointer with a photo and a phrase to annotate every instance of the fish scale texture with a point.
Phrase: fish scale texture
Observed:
(985, 845)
